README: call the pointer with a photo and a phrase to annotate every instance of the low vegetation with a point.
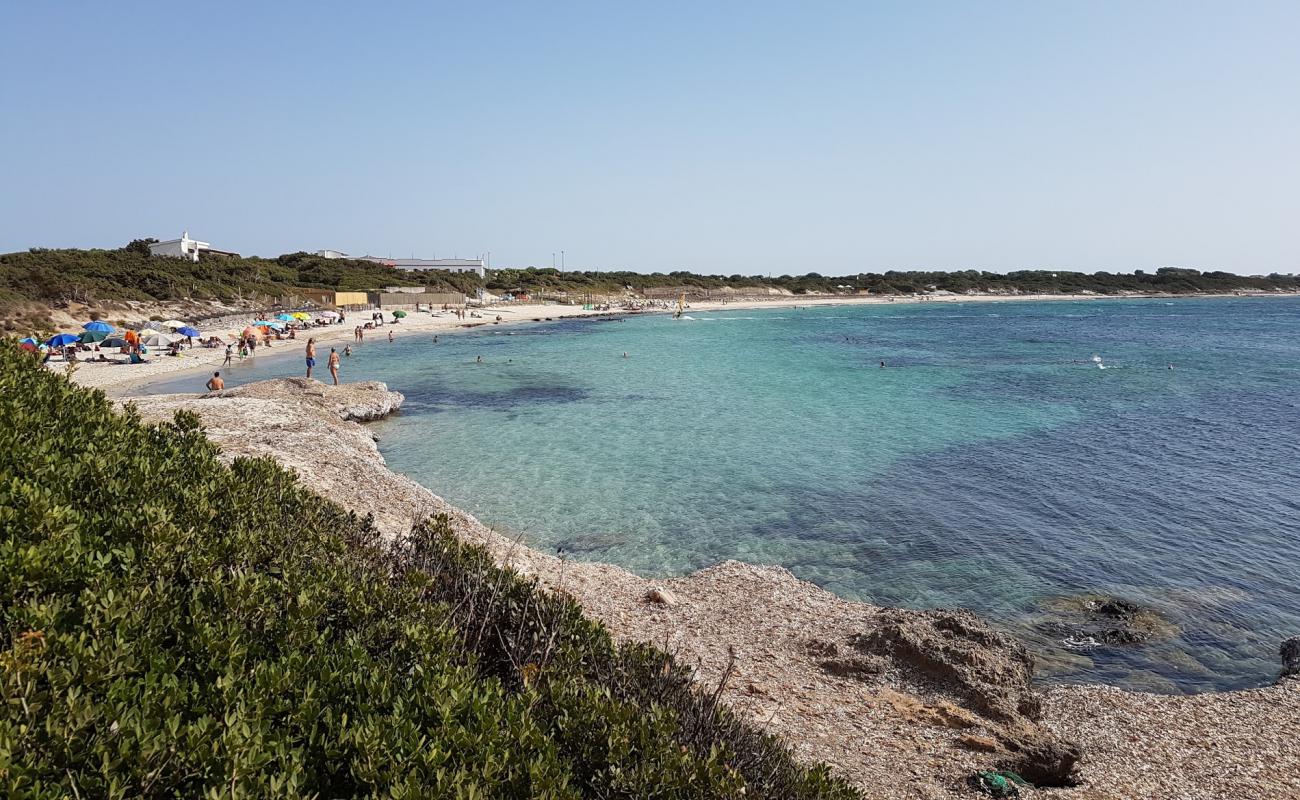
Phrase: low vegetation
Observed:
(33, 282)
(1168, 279)
(174, 627)
(45, 278)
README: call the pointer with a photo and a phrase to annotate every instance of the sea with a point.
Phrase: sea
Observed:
(1010, 458)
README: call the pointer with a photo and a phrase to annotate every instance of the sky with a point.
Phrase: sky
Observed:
(747, 137)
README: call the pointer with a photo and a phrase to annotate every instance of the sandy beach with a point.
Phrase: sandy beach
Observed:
(117, 378)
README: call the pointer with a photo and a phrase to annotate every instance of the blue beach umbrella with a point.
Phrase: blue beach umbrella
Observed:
(188, 331)
(96, 325)
(62, 339)
(287, 317)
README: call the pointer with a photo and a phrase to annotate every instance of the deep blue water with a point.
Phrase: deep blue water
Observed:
(991, 464)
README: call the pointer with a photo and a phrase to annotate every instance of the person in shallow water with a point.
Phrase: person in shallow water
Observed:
(216, 383)
(334, 365)
(479, 360)
(311, 355)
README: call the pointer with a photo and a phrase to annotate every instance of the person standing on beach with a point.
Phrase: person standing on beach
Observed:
(215, 383)
(311, 355)
(333, 364)
(390, 337)
(230, 351)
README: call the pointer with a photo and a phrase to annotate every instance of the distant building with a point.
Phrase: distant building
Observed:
(187, 248)
(474, 265)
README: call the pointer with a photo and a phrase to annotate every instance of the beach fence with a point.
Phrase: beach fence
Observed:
(408, 301)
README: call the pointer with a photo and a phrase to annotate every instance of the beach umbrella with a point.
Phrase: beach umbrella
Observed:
(30, 344)
(399, 314)
(157, 339)
(251, 331)
(62, 339)
(96, 325)
(300, 315)
(329, 314)
(174, 323)
(286, 317)
(186, 330)
(114, 341)
(90, 337)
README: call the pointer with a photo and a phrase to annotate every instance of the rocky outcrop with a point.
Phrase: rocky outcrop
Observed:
(956, 655)
(363, 401)
(988, 671)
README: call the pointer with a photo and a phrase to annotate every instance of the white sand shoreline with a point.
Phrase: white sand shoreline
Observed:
(118, 379)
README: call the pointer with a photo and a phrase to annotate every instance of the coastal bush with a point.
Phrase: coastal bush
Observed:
(172, 626)
(55, 277)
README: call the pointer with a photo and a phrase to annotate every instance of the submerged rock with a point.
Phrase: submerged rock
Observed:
(1105, 621)
(1290, 652)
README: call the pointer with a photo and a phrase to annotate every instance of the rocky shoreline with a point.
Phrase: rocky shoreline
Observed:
(906, 704)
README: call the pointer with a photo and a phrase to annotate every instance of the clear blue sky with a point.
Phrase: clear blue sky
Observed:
(742, 137)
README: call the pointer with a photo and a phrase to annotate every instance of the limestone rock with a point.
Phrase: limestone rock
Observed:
(985, 669)
(363, 401)
(661, 596)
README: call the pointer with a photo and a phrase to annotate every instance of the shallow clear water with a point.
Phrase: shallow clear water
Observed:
(990, 465)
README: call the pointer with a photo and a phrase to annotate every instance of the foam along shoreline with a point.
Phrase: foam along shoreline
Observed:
(117, 379)
(873, 692)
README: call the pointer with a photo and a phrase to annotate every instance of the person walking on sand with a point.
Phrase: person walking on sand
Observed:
(215, 383)
(390, 337)
(230, 351)
(334, 365)
(311, 355)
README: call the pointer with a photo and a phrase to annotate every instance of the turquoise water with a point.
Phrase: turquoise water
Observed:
(991, 464)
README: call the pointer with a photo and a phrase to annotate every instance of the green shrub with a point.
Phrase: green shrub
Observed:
(173, 627)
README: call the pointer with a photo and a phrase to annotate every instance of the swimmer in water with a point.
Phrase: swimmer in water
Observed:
(479, 360)
(882, 365)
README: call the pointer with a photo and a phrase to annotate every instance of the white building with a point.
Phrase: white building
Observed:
(474, 265)
(186, 248)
